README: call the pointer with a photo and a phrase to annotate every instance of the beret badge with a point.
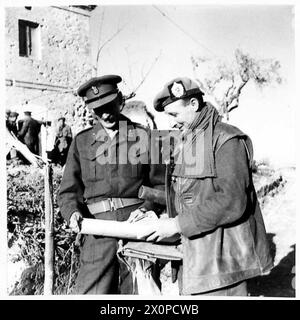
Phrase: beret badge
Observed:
(95, 90)
(177, 89)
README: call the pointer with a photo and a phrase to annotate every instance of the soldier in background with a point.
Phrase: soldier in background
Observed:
(11, 122)
(29, 133)
(7, 113)
(63, 141)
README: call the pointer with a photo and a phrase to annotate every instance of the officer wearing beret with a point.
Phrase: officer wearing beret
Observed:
(215, 205)
(100, 181)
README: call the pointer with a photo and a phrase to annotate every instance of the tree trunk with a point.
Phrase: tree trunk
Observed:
(49, 241)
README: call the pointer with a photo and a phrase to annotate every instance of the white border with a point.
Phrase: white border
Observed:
(3, 221)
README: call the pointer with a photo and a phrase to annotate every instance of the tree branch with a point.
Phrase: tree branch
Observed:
(235, 96)
(129, 66)
(105, 43)
(133, 93)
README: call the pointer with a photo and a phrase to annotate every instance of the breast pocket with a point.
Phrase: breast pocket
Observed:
(93, 169)
(88, 167)
(188, 198)
(130, 170)
(134, 166)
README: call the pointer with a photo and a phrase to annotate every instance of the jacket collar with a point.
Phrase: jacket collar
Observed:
(99, 133)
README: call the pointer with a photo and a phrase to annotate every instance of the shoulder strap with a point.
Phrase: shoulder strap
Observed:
(248, 153)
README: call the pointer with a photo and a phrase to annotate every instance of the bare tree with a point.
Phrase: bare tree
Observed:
(136, 110)
(105, 43)
(144, 76)
(224, 82)
(135, 84)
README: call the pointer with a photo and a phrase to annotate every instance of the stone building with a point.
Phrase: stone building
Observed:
(47, 58)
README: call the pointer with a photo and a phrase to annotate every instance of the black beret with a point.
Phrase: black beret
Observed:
(99, 91)
(27, 113)
(176, 89)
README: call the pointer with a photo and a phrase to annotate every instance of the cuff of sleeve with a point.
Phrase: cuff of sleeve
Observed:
(187, 225)
(148, 205)
(177, 224)
(68, 213)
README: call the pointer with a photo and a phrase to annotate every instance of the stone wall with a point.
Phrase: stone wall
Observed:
(64, 63)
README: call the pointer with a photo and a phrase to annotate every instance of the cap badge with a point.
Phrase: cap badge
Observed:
(95, 90)
(177, 89)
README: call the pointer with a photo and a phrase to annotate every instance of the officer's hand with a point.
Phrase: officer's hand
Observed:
(163, 228)
(136, 215)
(75, 220)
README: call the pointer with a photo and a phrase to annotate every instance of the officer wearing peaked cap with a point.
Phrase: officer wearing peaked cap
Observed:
(100, 91)
(95, 186)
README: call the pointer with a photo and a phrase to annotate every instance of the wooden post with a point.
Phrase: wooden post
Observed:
(49, 230)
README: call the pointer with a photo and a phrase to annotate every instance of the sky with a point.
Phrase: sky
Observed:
(213, 32)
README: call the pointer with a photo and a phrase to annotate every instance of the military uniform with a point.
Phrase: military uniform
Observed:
(12, 124)
(63, 140)
(96, 184)
(29, 133)
(217, 213)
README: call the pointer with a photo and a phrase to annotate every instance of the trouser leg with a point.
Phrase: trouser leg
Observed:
(99, 267)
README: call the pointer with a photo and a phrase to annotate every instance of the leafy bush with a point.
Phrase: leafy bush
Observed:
(26, 229)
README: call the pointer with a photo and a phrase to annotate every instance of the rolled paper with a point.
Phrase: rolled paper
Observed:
(126, 230)
(117, 229)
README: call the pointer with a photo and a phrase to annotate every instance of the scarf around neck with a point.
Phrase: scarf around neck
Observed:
(193, 155)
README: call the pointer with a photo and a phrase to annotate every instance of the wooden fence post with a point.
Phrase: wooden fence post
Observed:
(49, 231)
